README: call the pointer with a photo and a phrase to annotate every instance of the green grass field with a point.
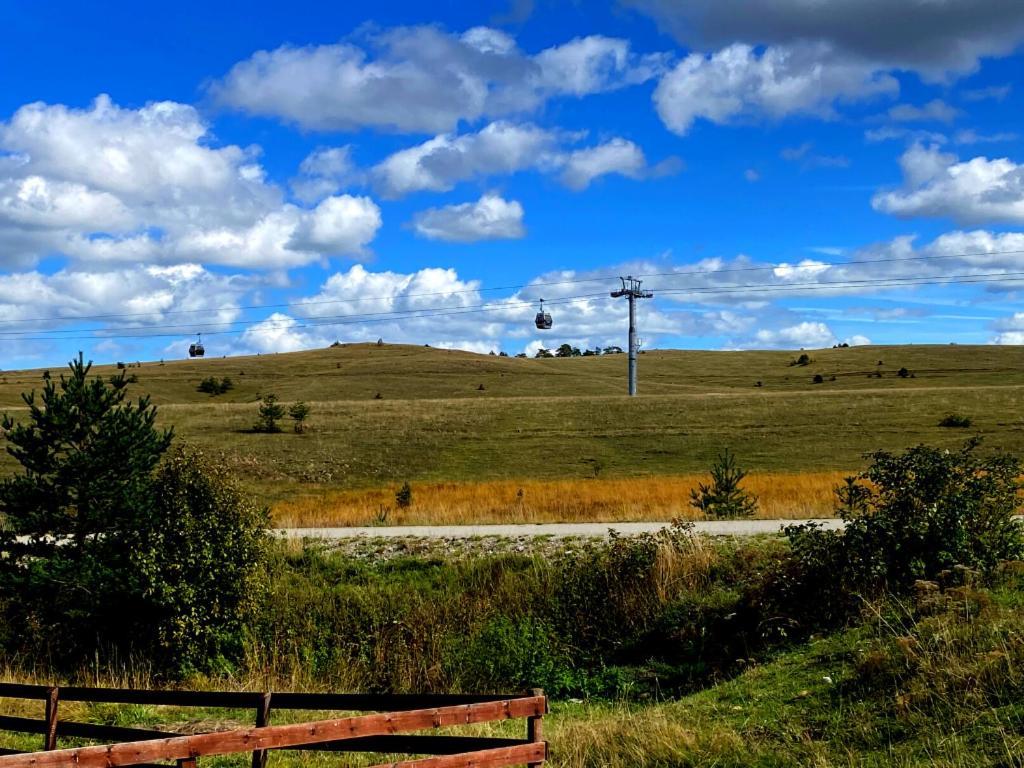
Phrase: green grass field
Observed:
(558, 418)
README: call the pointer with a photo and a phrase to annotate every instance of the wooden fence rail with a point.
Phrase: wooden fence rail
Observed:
(386, 731)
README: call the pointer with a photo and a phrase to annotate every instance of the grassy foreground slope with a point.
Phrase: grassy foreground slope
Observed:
(561, 418)
(934, 688)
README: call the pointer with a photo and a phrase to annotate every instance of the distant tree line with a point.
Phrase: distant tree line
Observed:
(568, 350)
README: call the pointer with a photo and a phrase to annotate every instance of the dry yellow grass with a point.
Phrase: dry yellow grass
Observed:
(781, 496)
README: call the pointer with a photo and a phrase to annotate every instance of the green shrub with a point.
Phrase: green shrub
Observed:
(212, 386)
(203, 564)
(909, 516)
(724, 498)
(955, 420)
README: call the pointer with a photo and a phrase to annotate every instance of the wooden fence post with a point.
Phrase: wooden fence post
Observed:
(50, 737)
(535, 725)
(259, 756)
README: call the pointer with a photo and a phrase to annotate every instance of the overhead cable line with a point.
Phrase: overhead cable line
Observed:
(823, 265)
(396, 314)
(427, 313)
(346, 320)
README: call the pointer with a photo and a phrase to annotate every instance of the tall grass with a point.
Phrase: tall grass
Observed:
(781, 496)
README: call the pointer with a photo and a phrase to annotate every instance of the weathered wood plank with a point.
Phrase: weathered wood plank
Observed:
(524, 754)
(259, 757)
(347, 702)
(50, 735)
(277, 736)
(413, 744)
(81, 730)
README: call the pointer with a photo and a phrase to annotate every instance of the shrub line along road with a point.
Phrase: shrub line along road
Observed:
(556, 530)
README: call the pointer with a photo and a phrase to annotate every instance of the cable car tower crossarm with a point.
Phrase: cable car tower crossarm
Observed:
(631, 290)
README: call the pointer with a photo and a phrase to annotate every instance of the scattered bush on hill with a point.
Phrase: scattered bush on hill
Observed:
(211, 386)
(804, 359)
(955, 420)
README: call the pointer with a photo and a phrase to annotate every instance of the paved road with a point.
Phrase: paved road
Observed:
(556, 530)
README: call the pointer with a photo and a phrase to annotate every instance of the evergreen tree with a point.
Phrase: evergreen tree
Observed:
(270, 413)
(724, 497)
(72, 518)
(298, 412)
(106, 550)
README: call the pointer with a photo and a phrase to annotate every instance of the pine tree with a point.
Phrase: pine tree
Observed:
(723, 497)
(109, 548)
(298, 412)
(270, 413)
(73, 517)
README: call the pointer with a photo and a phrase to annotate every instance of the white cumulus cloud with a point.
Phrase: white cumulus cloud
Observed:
(938, 184)
(489, 218)
(440, 163)
(111, 184)
(423, 79)
(739, 81)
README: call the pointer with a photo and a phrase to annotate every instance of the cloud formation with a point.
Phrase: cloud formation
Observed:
(502, 148)
(425, 80)
(110, 184)
(489, 218)
(939, 184)
(935, 39)
(739, 82)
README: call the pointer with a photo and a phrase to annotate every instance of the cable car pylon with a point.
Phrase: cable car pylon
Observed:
(631, 290)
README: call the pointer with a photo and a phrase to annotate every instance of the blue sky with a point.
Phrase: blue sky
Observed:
(782, 173)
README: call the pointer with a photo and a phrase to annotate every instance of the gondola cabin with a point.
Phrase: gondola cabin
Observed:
(543, 319)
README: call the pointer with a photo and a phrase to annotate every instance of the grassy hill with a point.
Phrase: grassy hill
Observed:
(569, 418)
(401, 372)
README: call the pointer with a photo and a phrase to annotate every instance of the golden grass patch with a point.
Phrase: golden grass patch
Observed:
(781, 496)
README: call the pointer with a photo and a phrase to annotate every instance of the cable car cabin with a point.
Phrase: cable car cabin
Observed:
(543, 319)
(196, 349)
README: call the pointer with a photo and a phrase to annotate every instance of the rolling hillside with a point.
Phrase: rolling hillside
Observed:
(567, 418)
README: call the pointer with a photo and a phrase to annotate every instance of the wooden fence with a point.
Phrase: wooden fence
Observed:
(385, 731)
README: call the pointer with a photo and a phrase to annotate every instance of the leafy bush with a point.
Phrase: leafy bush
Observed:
(804, 359)
(270, 413)
(723, 497)
(955, 420)
(203, 563)
(212, 386)
(903, 373)
(909, 516)
(818, 379)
